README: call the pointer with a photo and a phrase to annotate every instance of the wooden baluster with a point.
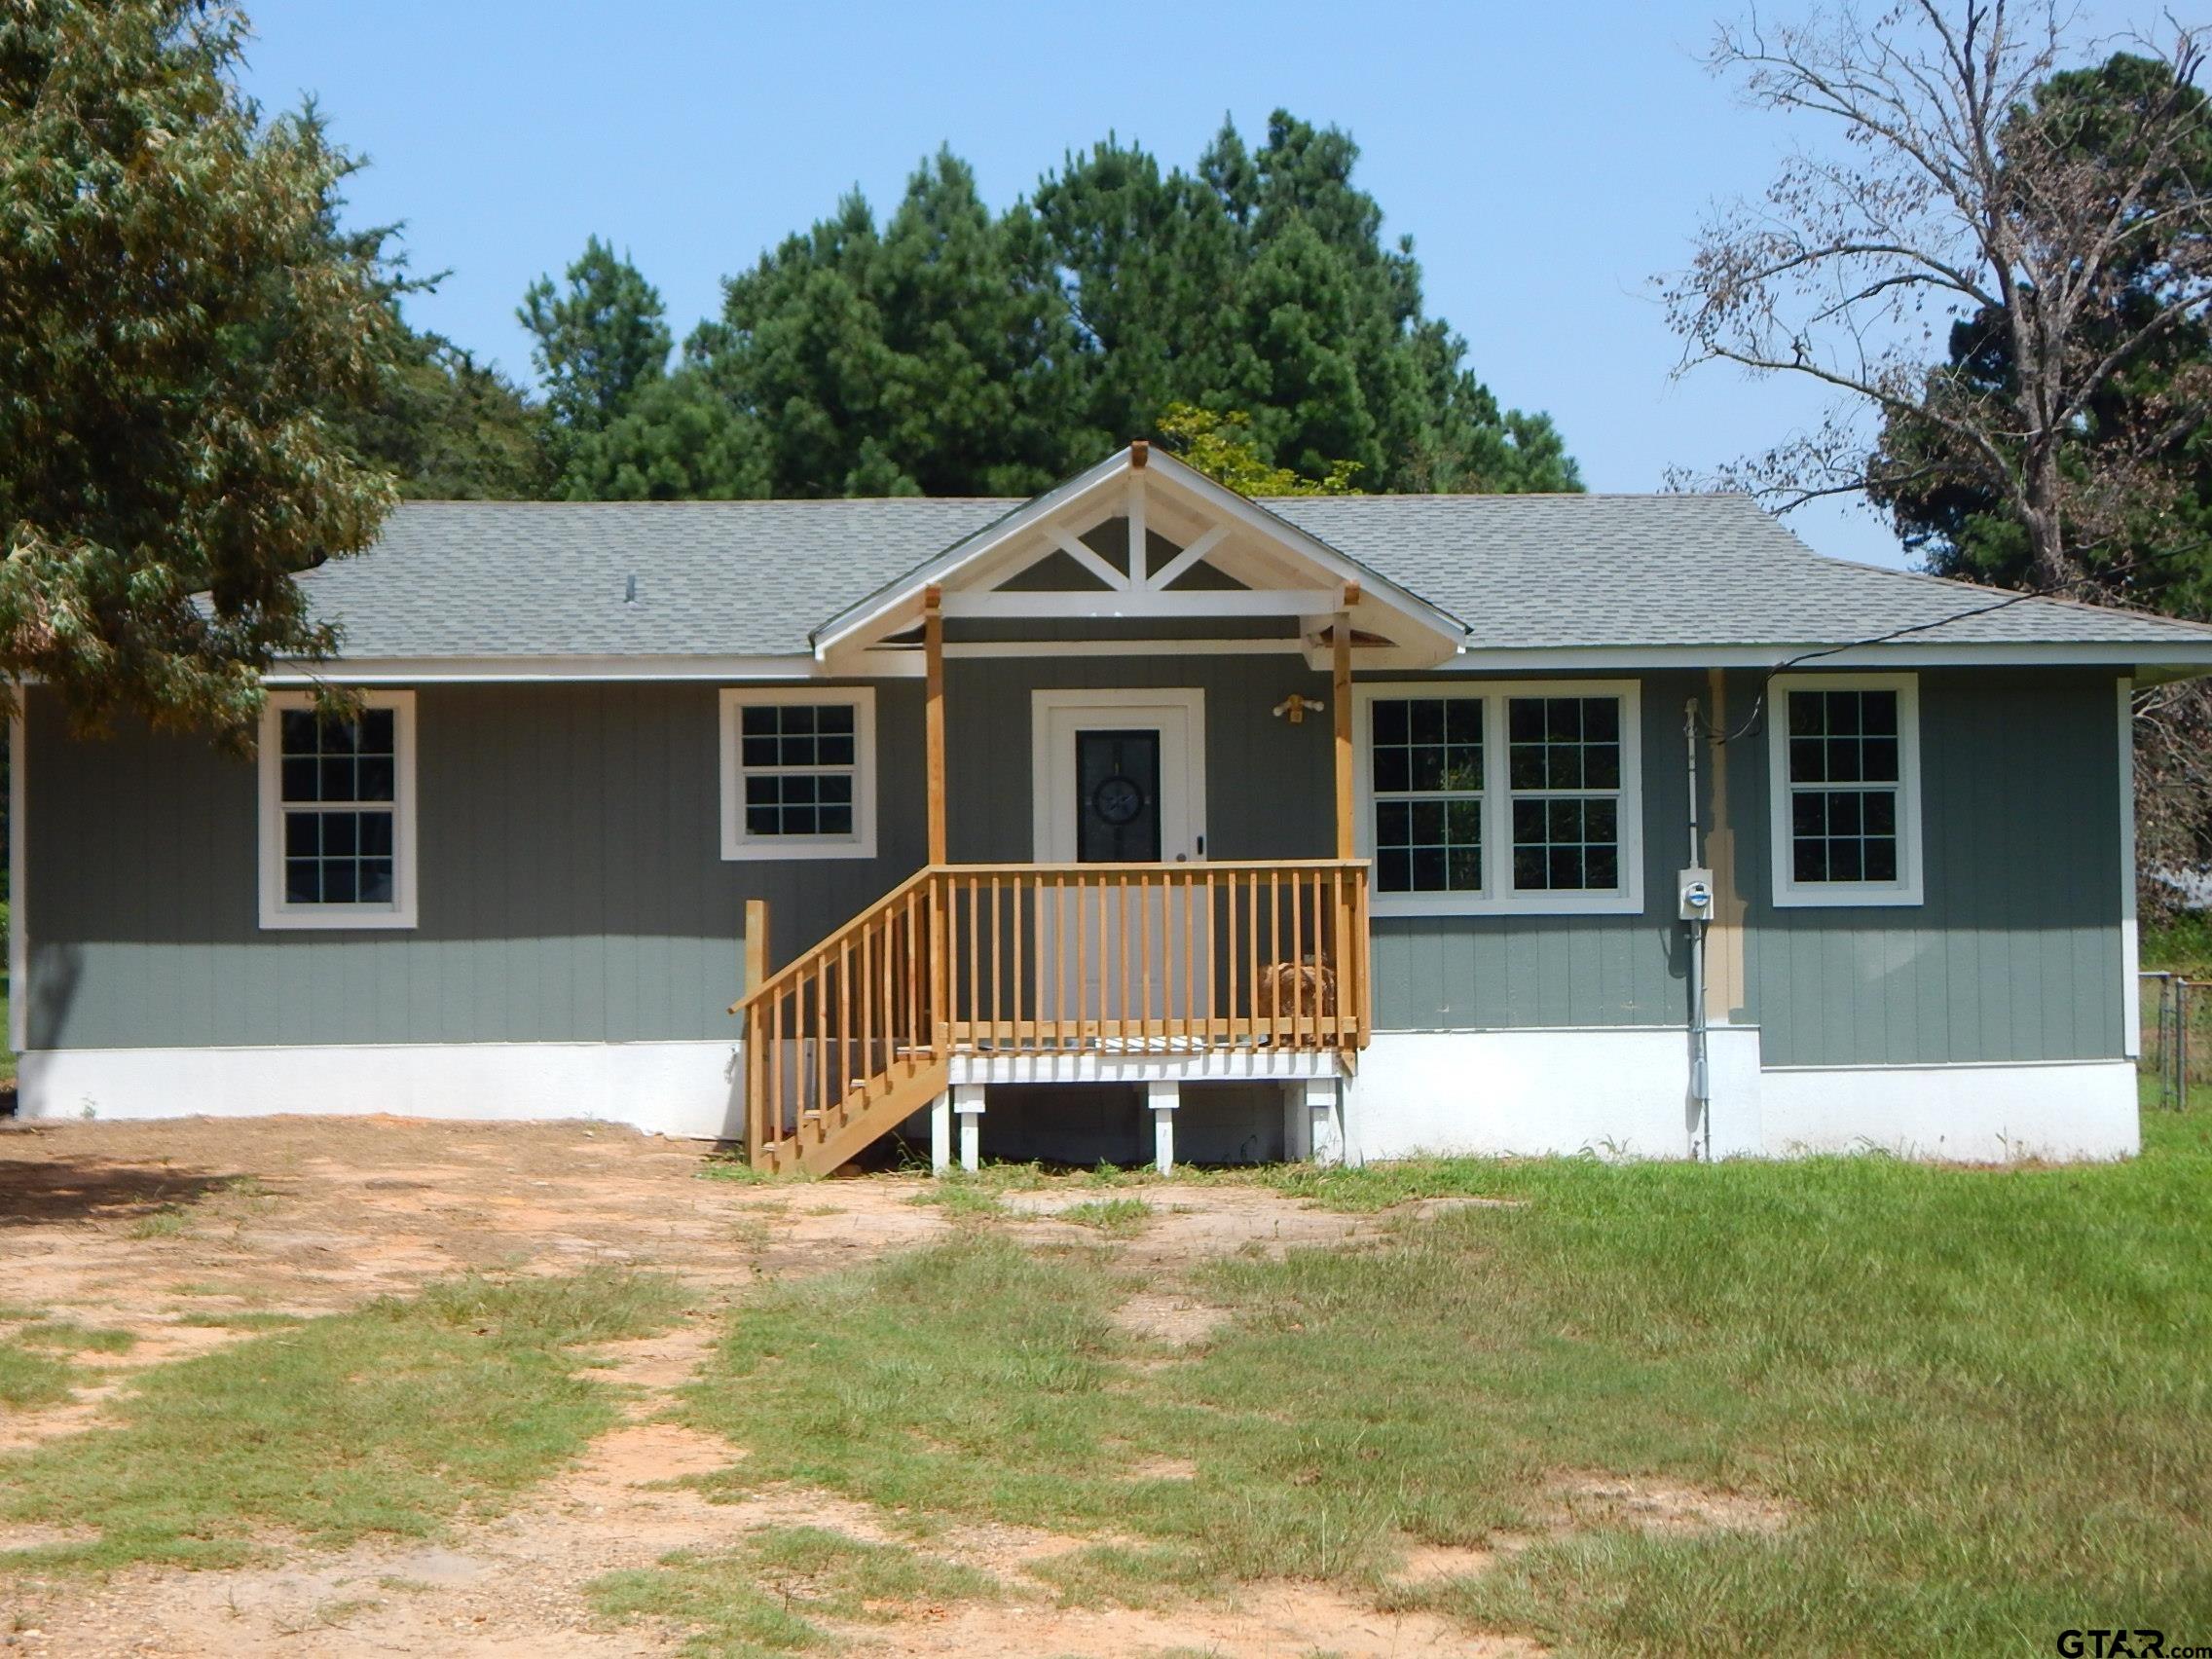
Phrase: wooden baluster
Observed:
(820, 1029)
(868, 1066)
(1191, 887)
(975, 1002)
(1144, 955)
(888, 1019)
(1275, 961)
(755, 1083)
(1363, 941)
(997, 983)
(1251, 1014)
(841, 1085)
(1198, 887)
(1236, 1027)
(1021, 886)
(1346, 972)
(917, 964)
(1082, 961)
(1334, 1025)
(1114, 994)
(941, 944)
(949, 963)
(776, 1063)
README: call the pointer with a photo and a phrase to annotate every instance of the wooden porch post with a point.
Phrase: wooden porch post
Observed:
(755, 946)
(1341, 633)
(933, 719)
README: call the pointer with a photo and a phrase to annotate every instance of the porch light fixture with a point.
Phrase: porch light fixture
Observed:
(1296, 706)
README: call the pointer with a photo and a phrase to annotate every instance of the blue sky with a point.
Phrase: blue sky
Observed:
(1547, 160)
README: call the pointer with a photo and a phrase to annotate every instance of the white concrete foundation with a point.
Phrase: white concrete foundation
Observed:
(690, 1089)
(1626, 1093)
(1622, 1093)
(1968, 1113)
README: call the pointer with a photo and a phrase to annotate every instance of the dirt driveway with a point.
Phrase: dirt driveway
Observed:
(143, 1226)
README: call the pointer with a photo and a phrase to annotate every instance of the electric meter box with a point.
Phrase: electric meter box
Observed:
(1694, 887)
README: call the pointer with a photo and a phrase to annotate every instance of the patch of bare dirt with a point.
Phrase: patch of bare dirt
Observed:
(1266, 1621)
(145, 1226)
(1189, 1225)
(1664, 1506)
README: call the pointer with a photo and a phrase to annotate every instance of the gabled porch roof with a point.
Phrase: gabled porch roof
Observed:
(1185, 546)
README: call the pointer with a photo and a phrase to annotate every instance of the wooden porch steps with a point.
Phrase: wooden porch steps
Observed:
(827, 1139)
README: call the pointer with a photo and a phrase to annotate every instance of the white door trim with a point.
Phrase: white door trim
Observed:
(1049, 819)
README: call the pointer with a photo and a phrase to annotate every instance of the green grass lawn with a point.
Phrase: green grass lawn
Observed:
(1980, 1396)
(387, 1420)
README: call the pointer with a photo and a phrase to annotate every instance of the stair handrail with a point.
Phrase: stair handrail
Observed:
(805, 959)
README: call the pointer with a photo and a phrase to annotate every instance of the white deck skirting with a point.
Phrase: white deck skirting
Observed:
(1142, 1061)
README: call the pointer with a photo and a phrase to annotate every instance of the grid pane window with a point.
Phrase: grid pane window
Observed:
(1563, 775)
(1845, 776)
(338, 801)
(797, 766)
(1426, 761)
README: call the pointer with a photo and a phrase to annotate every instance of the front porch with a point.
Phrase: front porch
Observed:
(1121, 949)
(970, 975)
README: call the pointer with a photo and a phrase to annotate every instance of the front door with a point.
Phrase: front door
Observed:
(1120, 779)
(1121, 776)
(1116, 795)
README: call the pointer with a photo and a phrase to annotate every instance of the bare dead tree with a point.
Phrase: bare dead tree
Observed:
(1955, 194)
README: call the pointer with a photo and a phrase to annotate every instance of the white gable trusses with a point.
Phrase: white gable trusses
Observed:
(1184, 547)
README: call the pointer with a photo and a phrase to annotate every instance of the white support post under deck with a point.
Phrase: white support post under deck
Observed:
(940, 1134)
(1163, 1096)
(1324, 1135)
(968, 1104)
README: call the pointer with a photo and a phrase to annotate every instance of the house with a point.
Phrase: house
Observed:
(1137, 818)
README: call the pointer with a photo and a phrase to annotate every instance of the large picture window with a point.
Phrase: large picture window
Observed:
(798, 769)
(1500, 798)
(338, 814)
(1845, 752)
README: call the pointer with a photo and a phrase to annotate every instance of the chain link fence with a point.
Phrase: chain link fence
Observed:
(2177, 1038)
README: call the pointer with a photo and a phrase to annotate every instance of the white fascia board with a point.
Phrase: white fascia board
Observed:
(1105, 607)
(513, 670)
(2169, 659)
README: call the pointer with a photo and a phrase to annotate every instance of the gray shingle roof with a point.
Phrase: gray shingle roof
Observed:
(489, 579)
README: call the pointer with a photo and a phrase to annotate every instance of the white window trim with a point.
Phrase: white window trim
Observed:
(1788, 891)
(1497, 896)
(737, 845)
(276, 912)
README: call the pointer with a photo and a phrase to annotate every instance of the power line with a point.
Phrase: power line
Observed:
(1758, 702)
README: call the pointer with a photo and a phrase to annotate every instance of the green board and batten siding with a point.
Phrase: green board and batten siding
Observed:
(571, 887)
(2015, 953)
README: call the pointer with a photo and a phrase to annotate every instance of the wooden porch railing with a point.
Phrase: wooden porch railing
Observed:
(854, 1035)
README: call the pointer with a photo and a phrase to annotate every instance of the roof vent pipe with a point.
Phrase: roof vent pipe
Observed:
(629, 590)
